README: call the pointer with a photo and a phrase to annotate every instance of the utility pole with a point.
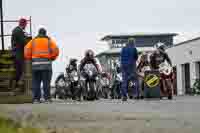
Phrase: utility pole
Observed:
(1, 15)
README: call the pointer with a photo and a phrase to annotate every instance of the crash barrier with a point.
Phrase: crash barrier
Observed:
(152, 84)
(8, 72)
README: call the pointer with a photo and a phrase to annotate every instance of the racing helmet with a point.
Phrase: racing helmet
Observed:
(73, 60)
(160, 46)
(89, 53)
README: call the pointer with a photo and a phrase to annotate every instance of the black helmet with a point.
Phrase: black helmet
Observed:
(73, 60)
(42, 31)
(89, 53)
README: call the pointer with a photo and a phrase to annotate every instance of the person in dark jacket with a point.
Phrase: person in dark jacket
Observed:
(18, 41)
(129, 56)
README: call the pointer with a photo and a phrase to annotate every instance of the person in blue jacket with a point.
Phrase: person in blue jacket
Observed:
(129, 56)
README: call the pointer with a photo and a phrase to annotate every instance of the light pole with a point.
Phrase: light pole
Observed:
(1, 15)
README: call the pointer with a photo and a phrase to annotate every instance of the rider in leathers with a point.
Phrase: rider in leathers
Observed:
(158, 57)
(89, 59)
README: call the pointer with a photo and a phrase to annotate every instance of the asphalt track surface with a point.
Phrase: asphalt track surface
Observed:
(111, 116)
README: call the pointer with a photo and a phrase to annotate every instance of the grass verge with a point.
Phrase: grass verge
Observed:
(20, 99)
(9, 126)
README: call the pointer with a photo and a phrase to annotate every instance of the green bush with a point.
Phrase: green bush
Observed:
(196, 87)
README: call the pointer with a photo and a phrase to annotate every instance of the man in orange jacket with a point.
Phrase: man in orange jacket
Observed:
(42, 50)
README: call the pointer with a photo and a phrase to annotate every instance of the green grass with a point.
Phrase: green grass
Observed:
(9, 126)
(21, 99)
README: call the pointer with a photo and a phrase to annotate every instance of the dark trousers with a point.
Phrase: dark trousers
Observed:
(129, 74)
(19, 66)
(38, 77)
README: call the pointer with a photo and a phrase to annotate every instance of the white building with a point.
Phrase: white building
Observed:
(144, 42)
(185, 57)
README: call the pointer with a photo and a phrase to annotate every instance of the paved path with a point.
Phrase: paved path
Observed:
(145, 116)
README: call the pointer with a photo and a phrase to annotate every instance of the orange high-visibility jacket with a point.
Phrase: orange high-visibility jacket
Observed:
(41, 47)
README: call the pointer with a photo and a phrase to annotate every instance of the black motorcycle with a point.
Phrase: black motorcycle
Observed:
(75, 85)
(62, 87)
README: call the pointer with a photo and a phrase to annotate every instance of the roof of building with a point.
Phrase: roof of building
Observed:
(185, 42)
(118, 50)
(126, 36)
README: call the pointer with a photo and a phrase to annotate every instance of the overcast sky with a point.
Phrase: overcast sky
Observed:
(79, 24)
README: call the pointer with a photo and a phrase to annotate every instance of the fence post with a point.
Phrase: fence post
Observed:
(2, 32)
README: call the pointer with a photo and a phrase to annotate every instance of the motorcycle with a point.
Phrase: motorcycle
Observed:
(75, 85)
(116, 87)
(166, 72)
(105, 86)
(62, 87)
(90, 77)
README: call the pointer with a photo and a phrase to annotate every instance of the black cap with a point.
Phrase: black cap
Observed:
(42, 31)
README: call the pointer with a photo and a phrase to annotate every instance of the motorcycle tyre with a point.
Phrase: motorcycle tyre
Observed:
(91, 96)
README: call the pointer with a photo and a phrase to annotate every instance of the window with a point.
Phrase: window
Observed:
(186, 68)
(198, 70)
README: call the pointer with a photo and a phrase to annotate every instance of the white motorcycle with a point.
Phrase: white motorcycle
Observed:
(116, 87)
(90, 77)
(165, 68)
(105, 86)
(166, 72)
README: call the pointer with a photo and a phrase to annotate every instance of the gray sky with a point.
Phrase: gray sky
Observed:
(79, 24)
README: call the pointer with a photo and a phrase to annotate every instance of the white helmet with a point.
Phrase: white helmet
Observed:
(159, 45)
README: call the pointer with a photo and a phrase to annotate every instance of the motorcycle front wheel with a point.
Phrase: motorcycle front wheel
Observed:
(92, 93)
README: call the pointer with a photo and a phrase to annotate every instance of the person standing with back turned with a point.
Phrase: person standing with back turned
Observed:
(129, 56)
(42, 50)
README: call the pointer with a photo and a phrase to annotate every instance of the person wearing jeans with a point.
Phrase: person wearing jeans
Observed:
(42, 50)
(38, 77)
(129, 56)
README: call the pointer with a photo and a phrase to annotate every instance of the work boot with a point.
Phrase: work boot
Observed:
(36, 101)
(48, 101)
